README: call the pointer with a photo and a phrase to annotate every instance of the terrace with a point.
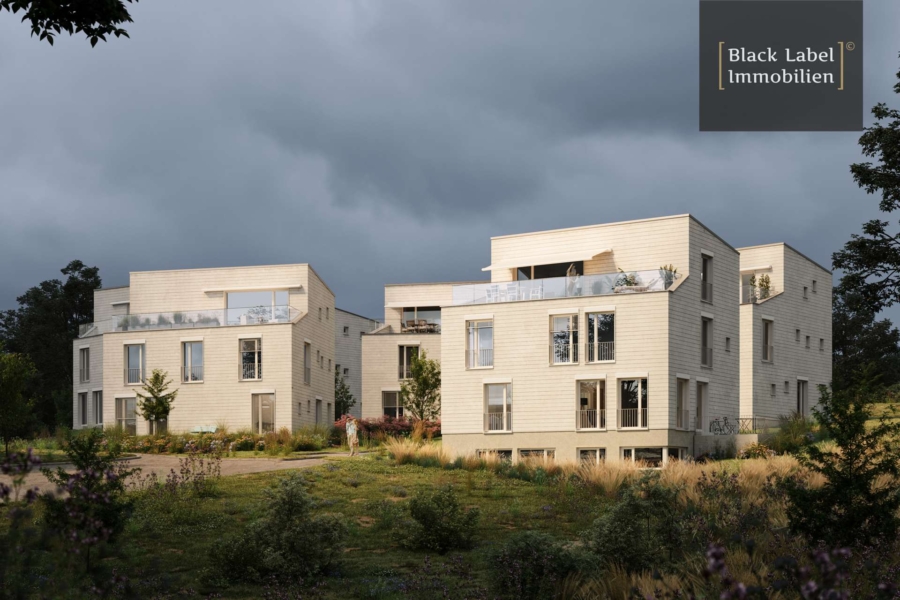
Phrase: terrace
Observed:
(192, 319)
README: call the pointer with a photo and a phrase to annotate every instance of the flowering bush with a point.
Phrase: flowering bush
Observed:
(756, 450)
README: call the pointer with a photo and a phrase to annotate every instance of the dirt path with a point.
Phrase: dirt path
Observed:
(162, 464)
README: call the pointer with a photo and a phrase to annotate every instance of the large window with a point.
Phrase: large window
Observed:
(262, 412)
(591, 412)
(83, 408)
(406, 354)
(125, 419)
(421, 319)
(549, 271)
(84, 365)
(706, 291)
(134, 364)
(390, 404)
(98, 407)
(768, 340)
(498, 407)
(706, 337)
(601, 344)
(564, 339)
(249, 308)
(537, 453)
(479, 344)
(251, 359)
(633, 397)
(681, 403)
(591, 456)
(192, 361)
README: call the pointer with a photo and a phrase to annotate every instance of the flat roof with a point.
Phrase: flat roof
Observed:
(356, 315)
(786, 245)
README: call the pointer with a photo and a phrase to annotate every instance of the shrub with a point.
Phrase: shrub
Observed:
(794, 432)
(286, 541)
(756, 450)
(440, 522)
(530, 565)
(385, 427)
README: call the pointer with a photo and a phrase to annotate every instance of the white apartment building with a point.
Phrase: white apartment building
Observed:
(246, 347)
(627, 341)
(349, 329)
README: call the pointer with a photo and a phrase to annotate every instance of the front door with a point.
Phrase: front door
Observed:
(263, 413)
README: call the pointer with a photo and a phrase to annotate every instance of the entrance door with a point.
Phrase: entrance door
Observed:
(263, 413)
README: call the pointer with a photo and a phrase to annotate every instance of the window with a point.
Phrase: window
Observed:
(550, 271)
(651, 457)
(346, 370)
(787, 387)
(802, 396)
(125, 415)
(252, 308)
(421, 319)
(480, 344)
(563, 339)
(262, 413)
(192, 361)
(773, 390)
(814, 286)
(821, 343)
(337, 367)
(318, 410)
(805, 294)
(706, 352)
(498, 407)
(706, 278)
(390, 404)
(633, 403)
(307, 367)
(327, 313)
(601, 331)
(702, 405)
(329, 414)
(329, 364)
(82, 408)
(807, 342)
(796, 335)
(251, 359)
(98, 407)
(537, 453)
(320, 313)
(406, 354)
(728, 344)
(158, 427)
(682, 392)
(346, 330)
(84, 370)
(768, 349)
(504, 455)
(591, 456)
(591, 404)
(134, 364)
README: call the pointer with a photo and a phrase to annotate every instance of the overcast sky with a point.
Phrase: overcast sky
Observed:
(385, 142)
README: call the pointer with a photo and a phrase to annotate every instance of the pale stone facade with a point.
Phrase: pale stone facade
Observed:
(348, 334)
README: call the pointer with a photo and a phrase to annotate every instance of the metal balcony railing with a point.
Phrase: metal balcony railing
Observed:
(563, 353)
(632, 418)
(706, 356)
(600, 351)
(498, 421)
(250, 371)
(133, 376)
(590, 418)
(404, 372)
(706, 291)
(189, 374)
(476, 359)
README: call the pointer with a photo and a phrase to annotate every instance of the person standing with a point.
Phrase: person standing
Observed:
(353, 436)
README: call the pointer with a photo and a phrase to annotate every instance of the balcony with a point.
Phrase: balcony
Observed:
(134, 376)
(563, 353)
(480, 359)
(250, 371)
(498, 421)
(590, 419)
(191, 319)
(751, 294)
(191, 374)
(420, 326)
(600, 351)
(633, 418)
(404, 372)
(632, 282)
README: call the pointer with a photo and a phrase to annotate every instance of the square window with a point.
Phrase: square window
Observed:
(346, 330)
(390, 405)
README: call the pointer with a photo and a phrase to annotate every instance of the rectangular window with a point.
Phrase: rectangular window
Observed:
(773, 390)
(253, 308)
(787, 387)
(814, 286)
(706, 337)
(591, 411)
(537, 453)
(327, 313)
(307, 366)
(702, 405)
(805, 294)
(160, 427)
(262, 413)
(706, 278)
(82, 408)
(346, 330)
(84, 369)
(504, 455)
(807, 342)
(796, 335)
(318, 411)
(563, 339)
(125, 419)
(329, 364)
(251, 359)
(421, 319)
(480, 344)
(601, 343)
(821, 344)
(98, 407)
(652, 458)
(633, 398)
(406, 354)
(591, 456)
(390, 404)
(802, 397)
(681, 403)
(346, 370)
(498, 407)
(768, 338)
(192, 361)
(134, 364)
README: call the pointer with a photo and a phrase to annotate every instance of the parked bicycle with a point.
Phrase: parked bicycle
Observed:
(722, 427)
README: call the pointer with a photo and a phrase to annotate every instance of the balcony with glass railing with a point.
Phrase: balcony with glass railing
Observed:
(192, 319)
(631, 282)
(751, 294)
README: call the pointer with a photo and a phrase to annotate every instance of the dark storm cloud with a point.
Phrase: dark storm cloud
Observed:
(386, 141)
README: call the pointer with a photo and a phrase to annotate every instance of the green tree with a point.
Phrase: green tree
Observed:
(871, 260)
(43, 328)
(343, 399)
(854, 505)
(861, 340)
(420, 394)
(95, 18)
(155, 403)
(15, 406)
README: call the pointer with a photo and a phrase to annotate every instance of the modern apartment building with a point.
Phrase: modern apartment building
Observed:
(412, 324)
(625, 341)
(349, 329)
(247, 348)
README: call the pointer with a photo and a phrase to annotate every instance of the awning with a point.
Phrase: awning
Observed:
(759, 268)
(568, 256)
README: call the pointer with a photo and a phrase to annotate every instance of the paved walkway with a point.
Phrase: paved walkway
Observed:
(161, 464)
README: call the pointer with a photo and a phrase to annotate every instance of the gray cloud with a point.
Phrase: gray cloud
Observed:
(387, 141)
